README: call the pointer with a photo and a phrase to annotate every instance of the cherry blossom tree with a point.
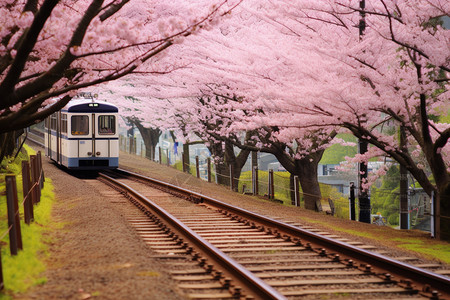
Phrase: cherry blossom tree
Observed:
(307, 66)
(396, 72)
(327, 75)
(50, 49)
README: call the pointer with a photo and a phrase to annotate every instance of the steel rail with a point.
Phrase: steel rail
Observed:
(251, 285)
(429, 281)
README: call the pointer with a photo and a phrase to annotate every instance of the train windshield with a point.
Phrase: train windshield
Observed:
(80, 125)
(106, 124)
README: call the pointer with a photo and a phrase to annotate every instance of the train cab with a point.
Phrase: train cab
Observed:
(84, 135)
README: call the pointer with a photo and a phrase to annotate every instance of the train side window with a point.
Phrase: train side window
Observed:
(63, 123)
(53, 121)
(106, 125)
(80, 125)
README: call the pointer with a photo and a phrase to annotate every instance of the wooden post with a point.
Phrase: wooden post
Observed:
(2, 285)
(197, 167)
(41, 169)
(27, 193)
(160, 155)
(255, 180)
(35, 179)
(271, 185)
(15, 236)
(296, 192)
(208, 162)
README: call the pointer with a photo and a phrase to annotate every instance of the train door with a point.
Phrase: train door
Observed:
(81, 131)
(47, 135)
(53, 141)
(105, 130)
(64, 143)
(58, 138)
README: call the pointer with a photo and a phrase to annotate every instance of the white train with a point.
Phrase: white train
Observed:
(83, 135)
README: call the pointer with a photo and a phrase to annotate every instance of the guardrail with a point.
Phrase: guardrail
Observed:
(32, 182)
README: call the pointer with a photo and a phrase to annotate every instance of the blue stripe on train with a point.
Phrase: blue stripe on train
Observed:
(88, 162)
(93, 162)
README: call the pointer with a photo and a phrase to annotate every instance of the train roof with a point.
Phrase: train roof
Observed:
(89, 105)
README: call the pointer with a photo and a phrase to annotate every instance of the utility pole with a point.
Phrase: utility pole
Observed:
(363, 196)
(404, 203)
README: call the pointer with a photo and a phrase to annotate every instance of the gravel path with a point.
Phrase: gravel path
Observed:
(96, 254)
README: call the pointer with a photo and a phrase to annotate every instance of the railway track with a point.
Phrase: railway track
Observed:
(215, 250)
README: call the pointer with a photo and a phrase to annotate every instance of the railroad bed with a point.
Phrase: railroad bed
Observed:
(259, 257)
(126, 276)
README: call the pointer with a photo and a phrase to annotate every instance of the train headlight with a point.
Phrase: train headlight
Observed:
(89, 153)
(97, 153)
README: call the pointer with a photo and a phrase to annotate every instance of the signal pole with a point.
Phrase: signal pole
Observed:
(363, 195)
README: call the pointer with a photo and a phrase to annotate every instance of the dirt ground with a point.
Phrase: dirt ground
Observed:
(96, 254)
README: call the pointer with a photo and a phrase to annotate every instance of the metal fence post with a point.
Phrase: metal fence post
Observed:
(167, 155)
(208, 162)
(352, 201)
(296, 191)
(15, 236)
(197, 167)
(271, 185)
(255, 180)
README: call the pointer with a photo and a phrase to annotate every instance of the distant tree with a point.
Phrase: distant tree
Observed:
(386, 198)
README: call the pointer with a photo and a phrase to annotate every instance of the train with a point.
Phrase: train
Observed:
(83, 135)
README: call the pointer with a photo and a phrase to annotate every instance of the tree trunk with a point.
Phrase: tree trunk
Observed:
(309, 181)
(227, 157)
(222, 173)
(306, 170)
(8, 143)
(443, 200)
(237, 162)
(186, 159)
(150, 137)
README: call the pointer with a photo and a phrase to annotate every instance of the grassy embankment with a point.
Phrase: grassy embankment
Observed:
(24, 270)
(423, 246)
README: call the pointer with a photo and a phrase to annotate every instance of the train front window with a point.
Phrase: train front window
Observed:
(80, 125)
(107, 125)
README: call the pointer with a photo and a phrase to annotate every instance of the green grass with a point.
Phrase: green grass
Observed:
(432, 251)
(283, 191)
(22, 271)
